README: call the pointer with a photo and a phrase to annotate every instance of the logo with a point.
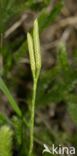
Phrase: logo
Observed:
(59, 150)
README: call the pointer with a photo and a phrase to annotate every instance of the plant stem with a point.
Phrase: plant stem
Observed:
(1, 41)
(32, 116)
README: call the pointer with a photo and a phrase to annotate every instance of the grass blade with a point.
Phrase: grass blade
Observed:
(11, 100)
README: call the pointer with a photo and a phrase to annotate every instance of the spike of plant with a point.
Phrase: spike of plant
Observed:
(35, 62)
(31, 53)
(37, 46)
(34, 50)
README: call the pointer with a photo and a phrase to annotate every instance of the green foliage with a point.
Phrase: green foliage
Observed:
(4, 119)
(45, 19)
(55, 85)
(8, 9)
(58, 84)
(18, 130)
(62, 57)
(5, 141)
(72, 107)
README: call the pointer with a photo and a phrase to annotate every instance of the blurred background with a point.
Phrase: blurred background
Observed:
(56, 102)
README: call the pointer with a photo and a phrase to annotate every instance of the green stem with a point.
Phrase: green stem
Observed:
(32, 117)
(1, 41)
